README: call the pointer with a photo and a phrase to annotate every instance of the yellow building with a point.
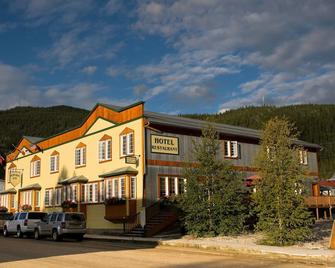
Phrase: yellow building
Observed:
(118, 163)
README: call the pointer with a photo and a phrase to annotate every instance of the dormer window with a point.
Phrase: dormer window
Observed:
(80, 155)
(35, 167)
(105, 148)
(54, 162)
(127, 142)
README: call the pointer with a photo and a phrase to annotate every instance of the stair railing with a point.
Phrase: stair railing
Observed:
(130, 222)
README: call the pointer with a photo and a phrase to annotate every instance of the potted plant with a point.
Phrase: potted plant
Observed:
(115, 201)
(69, 205)
(26, 208)
(3, 209)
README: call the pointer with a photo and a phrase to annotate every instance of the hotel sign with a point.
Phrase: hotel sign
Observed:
(164, 144)
(15, 177)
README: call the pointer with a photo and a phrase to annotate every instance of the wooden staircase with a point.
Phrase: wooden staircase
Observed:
(157, 220)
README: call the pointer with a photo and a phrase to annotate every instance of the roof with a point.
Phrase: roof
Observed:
(73, 179)
(33, 139)
(119, 171)
(184, 122)
(9, 191)
(179, 121)
(34, 186)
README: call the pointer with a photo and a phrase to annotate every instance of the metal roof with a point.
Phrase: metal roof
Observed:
(74, 179)
(183, 122)
(196, 124)
(34, 186)
(119, 171)
(33, 140)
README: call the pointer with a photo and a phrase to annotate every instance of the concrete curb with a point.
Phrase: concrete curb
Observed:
(307, 257)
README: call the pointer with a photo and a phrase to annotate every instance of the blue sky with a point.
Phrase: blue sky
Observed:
(178, 56)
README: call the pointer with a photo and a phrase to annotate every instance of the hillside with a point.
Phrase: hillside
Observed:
(35, 121)
(315, 123)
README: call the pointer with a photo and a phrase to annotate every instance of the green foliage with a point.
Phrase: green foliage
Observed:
(281, 211)
(316, 123)
(213, 203)
(33, 121)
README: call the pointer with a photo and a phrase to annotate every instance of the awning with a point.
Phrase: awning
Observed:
(34, 186)
(120, 171)
(75, 179)
(9, 191)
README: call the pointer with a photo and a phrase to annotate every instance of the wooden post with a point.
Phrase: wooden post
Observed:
(317, 213)
(325, 214)
(330, 213)
(332, 237)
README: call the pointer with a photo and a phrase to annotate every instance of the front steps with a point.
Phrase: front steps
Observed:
(156, 224)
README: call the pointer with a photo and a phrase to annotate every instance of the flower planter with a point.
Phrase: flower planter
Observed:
(69, 209)
(115, 213)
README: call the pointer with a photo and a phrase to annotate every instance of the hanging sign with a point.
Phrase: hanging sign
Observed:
(15, 177)
(131, 160)
(164, 144)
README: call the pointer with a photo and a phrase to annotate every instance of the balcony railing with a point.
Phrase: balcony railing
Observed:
(320, 201)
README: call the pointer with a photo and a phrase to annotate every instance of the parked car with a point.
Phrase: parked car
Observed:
(61, 224)
(5, 216)
(23, 223)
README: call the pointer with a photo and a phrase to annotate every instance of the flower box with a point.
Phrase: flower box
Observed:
(116, 212)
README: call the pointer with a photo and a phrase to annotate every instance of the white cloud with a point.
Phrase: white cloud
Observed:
(113, 6)
(288, 41)
(89, 69)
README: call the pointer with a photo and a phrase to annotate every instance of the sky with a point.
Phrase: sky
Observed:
(187, 56)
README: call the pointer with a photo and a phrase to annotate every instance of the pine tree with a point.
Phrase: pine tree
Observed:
(213, 201)
(279, 203)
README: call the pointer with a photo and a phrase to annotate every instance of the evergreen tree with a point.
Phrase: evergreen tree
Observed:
(282, 213)
(213, 201)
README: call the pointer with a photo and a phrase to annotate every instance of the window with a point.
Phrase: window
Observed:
(70, 192)
(171, 186)
(90, 193)
(80, 156)
(35, 168)
(116, 188)
(48, 197)
(230, 149)
(4, 200)
(303, 156)
(60, 217)
(37, 198)
(105, 150)
(27, 197)
(54, 163)
(127, 144)
(133, 187)
(102, 190)
(58, 196)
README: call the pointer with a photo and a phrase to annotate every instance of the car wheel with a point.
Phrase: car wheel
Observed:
(37, 234)
(5, 232)
(19, 233)
(55, 236)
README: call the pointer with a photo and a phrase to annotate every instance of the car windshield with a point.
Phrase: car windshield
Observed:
(74, 217)
(36, 216)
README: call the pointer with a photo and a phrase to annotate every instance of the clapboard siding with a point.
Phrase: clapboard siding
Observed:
(246, 159)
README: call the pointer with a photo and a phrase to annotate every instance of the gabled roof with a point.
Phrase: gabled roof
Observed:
(74, 179)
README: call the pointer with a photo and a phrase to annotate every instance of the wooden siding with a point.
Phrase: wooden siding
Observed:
(165, 164)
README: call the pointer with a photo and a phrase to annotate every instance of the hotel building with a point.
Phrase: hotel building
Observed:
(117, 164)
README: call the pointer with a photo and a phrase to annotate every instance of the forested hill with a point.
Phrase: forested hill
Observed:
(35, 121)
(315, 123)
